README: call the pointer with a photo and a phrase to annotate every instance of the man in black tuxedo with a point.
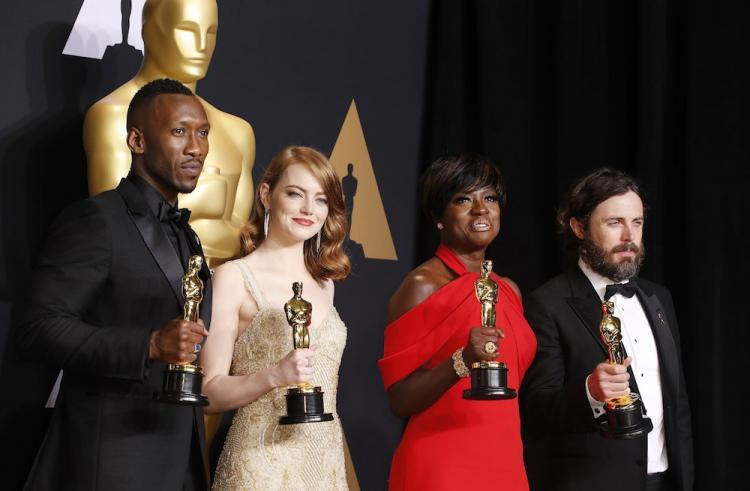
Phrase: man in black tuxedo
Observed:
(564, 390)
(106, 308)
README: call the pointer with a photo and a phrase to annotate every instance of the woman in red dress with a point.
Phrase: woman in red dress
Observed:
(434, 335)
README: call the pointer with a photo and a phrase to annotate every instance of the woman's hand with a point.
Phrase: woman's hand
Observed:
(475, 346)
(295, 368)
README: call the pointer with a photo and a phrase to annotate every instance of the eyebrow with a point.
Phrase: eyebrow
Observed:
(185, 122)
(303, 189)
(619, 218)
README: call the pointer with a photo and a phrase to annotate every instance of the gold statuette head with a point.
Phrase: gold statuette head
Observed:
(179, 36)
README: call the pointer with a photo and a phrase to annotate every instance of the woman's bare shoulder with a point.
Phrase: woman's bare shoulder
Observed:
(418, 286)
(512, 284)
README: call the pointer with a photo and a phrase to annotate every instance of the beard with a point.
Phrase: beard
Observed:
(598, 259)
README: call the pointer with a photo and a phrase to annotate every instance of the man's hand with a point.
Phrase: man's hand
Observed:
(176, 341)
(608, 381)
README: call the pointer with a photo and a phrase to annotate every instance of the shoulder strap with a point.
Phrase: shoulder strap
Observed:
(251, 284)
(450, 259)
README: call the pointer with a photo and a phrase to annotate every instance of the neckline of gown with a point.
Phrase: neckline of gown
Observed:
(450, 259)
(317, 328)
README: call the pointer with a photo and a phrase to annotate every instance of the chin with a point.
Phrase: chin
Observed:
(187, 188)
(192, 73)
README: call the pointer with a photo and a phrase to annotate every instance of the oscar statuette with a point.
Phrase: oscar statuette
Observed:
(304, 403)
(489, 379)
(182, 381)
(626, 418)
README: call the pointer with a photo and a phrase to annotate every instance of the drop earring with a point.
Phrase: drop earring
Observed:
(440, 226)
(265, 224)
(317, 242)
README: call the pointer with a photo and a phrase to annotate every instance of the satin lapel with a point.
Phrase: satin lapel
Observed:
(667, 349)
(205, 274)
(586, 304)
(153, 236)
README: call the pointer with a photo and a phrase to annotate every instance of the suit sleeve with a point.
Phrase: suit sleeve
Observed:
(684, 425)
(73, 268)
(551, 400)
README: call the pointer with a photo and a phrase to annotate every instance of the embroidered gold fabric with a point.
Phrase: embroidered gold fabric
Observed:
(260, 454)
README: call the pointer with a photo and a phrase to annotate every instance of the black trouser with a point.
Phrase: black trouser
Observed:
(659, 482)
(194, 475)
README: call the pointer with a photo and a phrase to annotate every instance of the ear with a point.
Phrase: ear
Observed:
(135, 141)
(265, 195)
(577, 228)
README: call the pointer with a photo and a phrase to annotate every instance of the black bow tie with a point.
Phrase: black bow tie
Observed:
(178, 216)
(625, 289)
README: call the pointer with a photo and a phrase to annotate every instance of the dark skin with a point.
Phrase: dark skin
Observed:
(468, 225)
(168, 141)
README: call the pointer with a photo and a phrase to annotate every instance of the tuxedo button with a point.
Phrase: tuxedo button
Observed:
(640, 462)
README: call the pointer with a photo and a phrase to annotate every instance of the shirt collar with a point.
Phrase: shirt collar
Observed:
(153, 198)
(598, 281)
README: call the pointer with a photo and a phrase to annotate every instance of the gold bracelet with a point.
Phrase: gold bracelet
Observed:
(458, 363)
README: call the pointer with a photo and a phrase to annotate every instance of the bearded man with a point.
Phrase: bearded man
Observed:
(564, 390)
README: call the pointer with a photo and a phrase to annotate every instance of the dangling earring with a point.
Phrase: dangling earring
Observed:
(317, 242)
(440, 226)
(265, 223)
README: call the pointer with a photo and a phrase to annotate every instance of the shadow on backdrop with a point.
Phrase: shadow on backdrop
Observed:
(43, 170)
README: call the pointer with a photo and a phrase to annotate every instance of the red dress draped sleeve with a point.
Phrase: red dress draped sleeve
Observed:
(458, 443)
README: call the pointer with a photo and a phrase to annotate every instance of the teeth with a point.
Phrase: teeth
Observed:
(480, 226)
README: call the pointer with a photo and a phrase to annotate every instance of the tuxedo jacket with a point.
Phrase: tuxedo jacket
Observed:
(562, 447)
(108, 276)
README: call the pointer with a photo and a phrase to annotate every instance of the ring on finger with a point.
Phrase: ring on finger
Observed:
(490, 347)
(196, 348)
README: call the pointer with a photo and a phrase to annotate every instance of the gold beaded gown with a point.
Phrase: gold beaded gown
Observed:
(260, 454)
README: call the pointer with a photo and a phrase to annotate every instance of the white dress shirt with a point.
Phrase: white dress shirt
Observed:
(638, 340)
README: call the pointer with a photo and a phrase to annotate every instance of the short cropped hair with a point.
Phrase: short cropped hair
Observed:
(585, 195)
(146, 94)
(447, 176)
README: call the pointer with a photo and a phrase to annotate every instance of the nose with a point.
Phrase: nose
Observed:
(627, 233)
(479, 207)
(307, 206)
(196, 147)
(201, 40)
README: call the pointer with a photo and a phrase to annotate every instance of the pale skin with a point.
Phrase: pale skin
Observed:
(615, 221)
(297, 208)
(470, 222)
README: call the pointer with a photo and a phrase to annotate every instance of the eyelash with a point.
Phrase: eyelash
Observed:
(464, 199)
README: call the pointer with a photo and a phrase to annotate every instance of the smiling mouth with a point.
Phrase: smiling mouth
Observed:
(304, 222)
(480, 226)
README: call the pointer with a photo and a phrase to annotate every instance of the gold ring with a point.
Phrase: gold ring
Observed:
(490, 347)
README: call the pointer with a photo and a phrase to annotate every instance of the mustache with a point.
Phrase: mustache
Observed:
(626, 247)
(192, 160)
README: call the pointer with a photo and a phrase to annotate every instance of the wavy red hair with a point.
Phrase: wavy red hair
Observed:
(331, 262)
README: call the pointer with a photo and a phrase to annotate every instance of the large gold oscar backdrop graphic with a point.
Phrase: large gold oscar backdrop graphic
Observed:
(368, 222)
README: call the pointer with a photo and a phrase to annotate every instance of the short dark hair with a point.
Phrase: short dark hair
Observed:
(447, 176)
(148, 92)
(585, 195)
